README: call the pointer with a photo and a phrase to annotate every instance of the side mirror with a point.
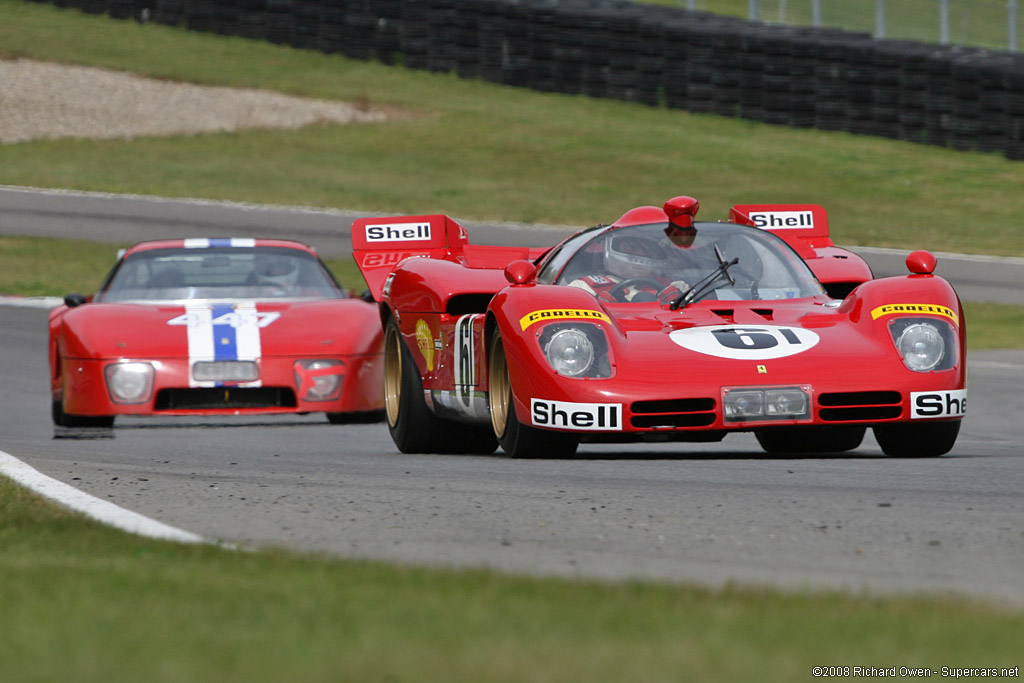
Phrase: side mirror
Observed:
(521, 272)
(74, 299)
(921, 262)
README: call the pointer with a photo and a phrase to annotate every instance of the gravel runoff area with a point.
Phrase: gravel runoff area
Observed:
(47, 100)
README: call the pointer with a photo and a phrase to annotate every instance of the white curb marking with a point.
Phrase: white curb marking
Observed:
(100, 510)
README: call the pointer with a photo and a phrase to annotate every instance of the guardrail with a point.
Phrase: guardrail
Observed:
(959, 97)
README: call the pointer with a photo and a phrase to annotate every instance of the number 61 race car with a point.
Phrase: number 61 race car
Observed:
(215, 327)
(661, 328)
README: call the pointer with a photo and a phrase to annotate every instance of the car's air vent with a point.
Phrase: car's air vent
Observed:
(860, 406)
(224, 397)
(673, 413)
(464, 304)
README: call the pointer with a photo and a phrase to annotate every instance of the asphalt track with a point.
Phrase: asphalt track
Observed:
(705, 513)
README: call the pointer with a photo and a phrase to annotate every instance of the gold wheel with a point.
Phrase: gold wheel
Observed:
(392, 374)
(499, 394)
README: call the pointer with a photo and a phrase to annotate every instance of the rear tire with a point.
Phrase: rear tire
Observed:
(413, 426)
(516, 439)
(810, 439)
(904, 440)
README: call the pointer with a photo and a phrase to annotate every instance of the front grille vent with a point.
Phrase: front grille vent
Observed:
(220, 398)
(860, 406)
(673, 413)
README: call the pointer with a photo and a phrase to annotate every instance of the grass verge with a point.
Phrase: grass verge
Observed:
(83, 602)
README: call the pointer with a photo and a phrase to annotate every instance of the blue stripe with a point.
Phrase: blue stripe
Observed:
(220, 242)
(225, 337)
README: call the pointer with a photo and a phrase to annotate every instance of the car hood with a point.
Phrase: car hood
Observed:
(135, 330)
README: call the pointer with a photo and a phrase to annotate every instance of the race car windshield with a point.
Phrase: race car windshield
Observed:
(258, 273)
(645, 263)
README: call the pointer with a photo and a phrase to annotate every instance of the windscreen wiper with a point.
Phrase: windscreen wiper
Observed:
(706, 283)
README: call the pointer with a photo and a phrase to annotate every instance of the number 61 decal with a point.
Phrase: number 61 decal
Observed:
(743, 342)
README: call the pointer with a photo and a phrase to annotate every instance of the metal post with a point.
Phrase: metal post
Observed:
(691, 4)
(879, 18)
(944, 22)
(816, 13)
(754, 10)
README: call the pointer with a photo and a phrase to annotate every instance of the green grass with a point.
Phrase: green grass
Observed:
(82, 602)
(484, 151)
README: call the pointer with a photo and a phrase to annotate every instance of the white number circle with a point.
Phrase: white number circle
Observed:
(746, 342)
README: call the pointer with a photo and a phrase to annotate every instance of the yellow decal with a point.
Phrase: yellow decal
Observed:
(561, 314)
(762, 369)
(933, 309)
(425, 340)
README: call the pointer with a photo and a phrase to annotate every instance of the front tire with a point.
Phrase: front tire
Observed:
(516, 439)
(62, 419)
(903, 440)
(780, 440)
(413, 426)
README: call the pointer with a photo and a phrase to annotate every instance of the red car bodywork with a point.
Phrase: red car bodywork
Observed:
(291, 342)
(672, 374)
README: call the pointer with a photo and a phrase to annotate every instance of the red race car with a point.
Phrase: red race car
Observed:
(215, 327)
(661, 328)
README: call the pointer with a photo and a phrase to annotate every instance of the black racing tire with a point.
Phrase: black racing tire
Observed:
(413, 426)
(361, 417)
(815, 439)
(909, 440)
(516, 439)
(62, 419)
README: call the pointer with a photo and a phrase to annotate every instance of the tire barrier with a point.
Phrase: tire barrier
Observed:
(830, 79)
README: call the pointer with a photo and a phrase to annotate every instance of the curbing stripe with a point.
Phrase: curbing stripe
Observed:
(100, 510)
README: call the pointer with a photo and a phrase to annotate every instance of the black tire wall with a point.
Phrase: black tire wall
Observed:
(965, 98)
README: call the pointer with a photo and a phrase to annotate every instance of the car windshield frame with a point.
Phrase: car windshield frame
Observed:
(174, 274)
(778, 271)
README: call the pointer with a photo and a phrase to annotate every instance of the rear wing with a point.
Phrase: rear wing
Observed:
(805, 228)
(380, 244)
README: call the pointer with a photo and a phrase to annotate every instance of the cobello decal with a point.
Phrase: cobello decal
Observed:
(932, 404)
(561, 314)
(740, 342)
(398, 232)
(932, 309)
(590, 417)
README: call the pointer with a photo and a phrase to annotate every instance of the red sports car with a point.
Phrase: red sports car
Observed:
(661, 328)
(215, 327)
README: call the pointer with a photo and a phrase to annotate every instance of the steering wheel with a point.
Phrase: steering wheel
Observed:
(618, 291)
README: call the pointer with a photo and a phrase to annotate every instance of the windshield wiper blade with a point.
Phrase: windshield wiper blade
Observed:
(706, 283)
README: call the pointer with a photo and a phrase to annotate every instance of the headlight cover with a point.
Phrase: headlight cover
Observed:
(576, 350)
(319, 379)
(760, 404)
(129, 382)
(924, 344)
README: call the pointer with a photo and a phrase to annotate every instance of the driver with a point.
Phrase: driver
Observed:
(277, 271)
(634, 260)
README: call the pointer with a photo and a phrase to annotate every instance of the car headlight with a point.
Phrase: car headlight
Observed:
(129, 382)
(743, 404)
(570, 352)
(319, 379)
(578, 350)
(923, 344)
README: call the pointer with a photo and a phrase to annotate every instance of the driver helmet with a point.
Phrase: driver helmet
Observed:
(277, 270)
(632, 255)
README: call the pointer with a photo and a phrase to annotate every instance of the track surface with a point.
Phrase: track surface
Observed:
(702, 513)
